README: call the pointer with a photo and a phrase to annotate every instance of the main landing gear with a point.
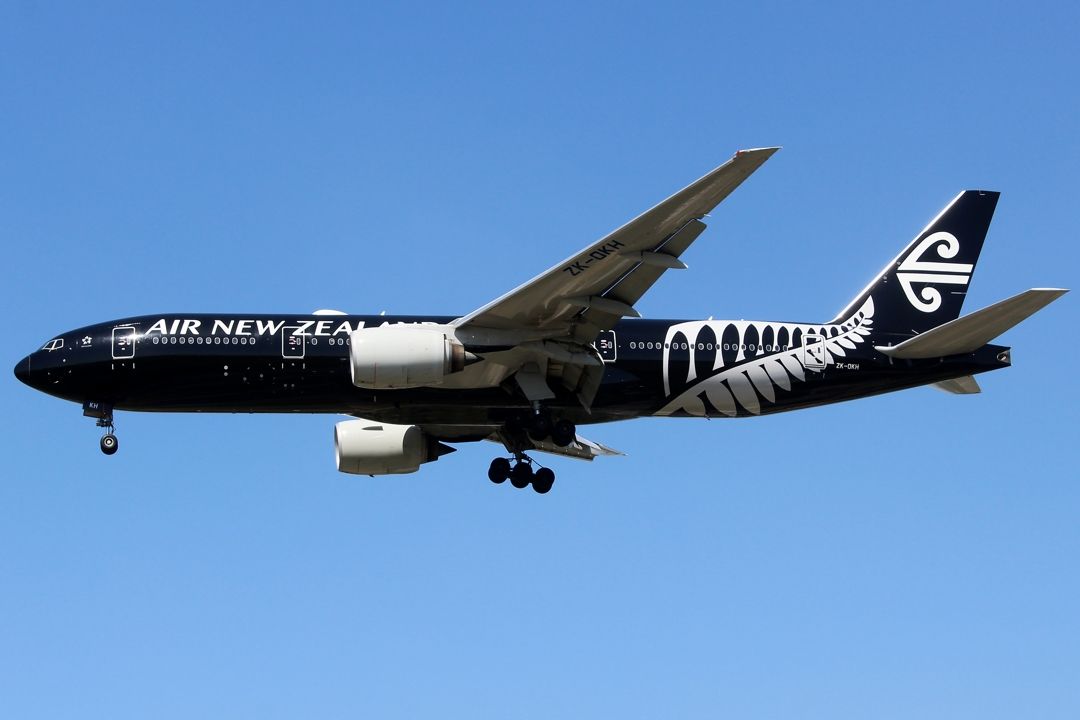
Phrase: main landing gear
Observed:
(540, 427)
(521, 473)
(109, 444)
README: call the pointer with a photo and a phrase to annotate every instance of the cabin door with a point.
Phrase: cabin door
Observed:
(813, 347)
(123, 343)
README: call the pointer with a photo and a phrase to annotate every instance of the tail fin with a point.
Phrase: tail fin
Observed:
(925, 285)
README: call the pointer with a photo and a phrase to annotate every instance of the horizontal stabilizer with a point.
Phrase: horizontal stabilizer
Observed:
(959, 386)
(971, 332)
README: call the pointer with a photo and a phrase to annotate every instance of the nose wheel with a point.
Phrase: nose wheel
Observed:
(109, 444)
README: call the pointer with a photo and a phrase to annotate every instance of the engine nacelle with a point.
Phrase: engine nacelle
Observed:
(403, 356)
(366, 447)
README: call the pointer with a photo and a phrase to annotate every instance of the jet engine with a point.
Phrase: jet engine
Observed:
(365, 447)
(404, 356)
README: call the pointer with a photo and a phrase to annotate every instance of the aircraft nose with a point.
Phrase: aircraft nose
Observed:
(22, 370)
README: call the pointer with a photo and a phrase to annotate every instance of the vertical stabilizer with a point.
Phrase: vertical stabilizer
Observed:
(925, 285)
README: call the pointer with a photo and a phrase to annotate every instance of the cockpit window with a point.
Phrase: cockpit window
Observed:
(54, 344)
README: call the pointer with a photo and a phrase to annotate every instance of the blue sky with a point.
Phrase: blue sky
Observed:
(909, 555)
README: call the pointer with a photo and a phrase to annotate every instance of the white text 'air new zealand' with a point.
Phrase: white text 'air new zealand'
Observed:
(564, 350)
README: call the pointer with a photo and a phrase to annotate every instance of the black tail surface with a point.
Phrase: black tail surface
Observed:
(925, 285)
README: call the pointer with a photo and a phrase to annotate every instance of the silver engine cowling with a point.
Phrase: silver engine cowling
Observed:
(403, 356)
(366, 447)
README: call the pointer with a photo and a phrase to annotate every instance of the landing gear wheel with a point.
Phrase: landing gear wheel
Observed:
(539, 427)
(543, 480)
(521, 475)
(109, 444)
(563, 433)
(499, 470)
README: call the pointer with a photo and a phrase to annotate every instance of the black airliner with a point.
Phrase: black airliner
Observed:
(565, 349)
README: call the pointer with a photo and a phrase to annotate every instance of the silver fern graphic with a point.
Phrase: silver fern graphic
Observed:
(760, 366)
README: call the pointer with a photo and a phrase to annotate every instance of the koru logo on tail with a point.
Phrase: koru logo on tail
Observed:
(927, 273)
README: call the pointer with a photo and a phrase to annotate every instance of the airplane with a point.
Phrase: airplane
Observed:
(564, 350)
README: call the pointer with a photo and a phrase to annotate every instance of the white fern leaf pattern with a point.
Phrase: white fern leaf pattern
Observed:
(756, 359)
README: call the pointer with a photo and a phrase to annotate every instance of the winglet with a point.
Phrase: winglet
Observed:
(767, 150)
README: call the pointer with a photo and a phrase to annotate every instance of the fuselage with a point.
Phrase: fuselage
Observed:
(300, 363)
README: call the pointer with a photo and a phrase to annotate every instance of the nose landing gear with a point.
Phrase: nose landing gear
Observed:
(109, 444)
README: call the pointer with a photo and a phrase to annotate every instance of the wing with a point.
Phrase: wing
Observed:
(591, 290)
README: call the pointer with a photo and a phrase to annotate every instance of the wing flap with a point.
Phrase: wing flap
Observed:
(633, 285)
(580, 449)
